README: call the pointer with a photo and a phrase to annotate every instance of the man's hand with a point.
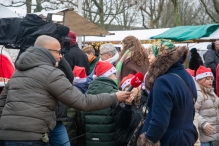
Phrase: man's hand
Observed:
(122, 95)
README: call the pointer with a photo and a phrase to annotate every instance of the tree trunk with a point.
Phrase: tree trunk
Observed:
(38, 6)
(176, 13)
(28, 4)
(101, 14)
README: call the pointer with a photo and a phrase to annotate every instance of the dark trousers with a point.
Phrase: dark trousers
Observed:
(25, 143)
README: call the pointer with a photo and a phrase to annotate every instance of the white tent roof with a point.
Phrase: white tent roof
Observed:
(213, 36)
(44, 13)
(143, 34)
(6, 13)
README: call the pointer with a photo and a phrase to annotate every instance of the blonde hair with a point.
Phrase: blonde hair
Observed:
(88, 49)
(202, 88)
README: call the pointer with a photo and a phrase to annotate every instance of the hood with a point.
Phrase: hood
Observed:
(33, 57)
(163, 62)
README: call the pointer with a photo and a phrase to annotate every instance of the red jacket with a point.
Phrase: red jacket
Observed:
(217, 80)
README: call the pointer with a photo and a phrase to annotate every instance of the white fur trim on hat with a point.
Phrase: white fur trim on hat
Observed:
(109, 72)
(203, 75)
(79, 80)
(94, 76)
(125, 84)
(2, 84)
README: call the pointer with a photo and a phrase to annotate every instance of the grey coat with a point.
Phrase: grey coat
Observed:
(211, 58)
(207, 112)
(28, 101)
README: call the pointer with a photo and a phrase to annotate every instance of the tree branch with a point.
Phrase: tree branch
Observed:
(216, 6)
(143, 23)
(206, 9)
(13, 5)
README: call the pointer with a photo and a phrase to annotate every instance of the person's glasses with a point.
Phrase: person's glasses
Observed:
(58, 51)
(103, 53)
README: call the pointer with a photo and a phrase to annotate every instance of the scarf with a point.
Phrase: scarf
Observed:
(125, 56)
(91, 59)
(113, 59)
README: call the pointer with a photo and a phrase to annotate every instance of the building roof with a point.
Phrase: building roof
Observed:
(77, 23)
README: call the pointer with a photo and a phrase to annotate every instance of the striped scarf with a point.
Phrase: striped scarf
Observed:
(125, 56)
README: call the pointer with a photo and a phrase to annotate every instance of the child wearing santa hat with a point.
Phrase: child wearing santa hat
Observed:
(191, 72)
(128, 115)
(104, 82)
(79, 74)
(80, 79)
(206, 107)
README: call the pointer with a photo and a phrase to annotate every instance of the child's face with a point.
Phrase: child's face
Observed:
(206, 82)
(112, 76)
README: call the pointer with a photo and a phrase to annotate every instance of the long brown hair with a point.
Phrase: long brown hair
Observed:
(138, 52)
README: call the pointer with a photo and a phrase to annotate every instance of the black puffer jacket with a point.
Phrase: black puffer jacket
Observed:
(127, 118)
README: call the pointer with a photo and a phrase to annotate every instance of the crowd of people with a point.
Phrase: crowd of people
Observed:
(85, 98)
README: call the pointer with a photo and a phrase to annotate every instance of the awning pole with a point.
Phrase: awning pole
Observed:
(84, 39)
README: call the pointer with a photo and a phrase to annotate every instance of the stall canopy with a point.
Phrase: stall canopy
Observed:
(77, 23)
(6, 13)
(184, 33)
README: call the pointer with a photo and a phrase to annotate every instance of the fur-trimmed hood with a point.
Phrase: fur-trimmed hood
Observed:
(163, 62)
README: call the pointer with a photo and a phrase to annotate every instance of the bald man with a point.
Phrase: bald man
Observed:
(28, 101)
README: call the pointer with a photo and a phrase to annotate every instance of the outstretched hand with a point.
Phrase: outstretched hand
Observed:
(122, 95)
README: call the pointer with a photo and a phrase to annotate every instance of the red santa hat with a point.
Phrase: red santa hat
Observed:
(191, 72)
(79, 74)
(126, 81)
(6, 68)
(104, 69)
(203, 72)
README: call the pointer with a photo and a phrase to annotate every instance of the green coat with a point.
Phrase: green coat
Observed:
(93, 63)
(103, 134)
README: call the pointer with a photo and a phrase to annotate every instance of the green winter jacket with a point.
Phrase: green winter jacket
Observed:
(103, 134)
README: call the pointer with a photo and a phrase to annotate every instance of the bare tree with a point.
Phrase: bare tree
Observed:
(39, 5)
(190, 13)
(104, 12)
(151, 10)
(130, 17)
(212, 9)
(176, 12)
(28, 3)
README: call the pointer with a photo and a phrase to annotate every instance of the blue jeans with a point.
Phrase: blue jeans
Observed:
(59, 136)
(25, 143)
(206, 143)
